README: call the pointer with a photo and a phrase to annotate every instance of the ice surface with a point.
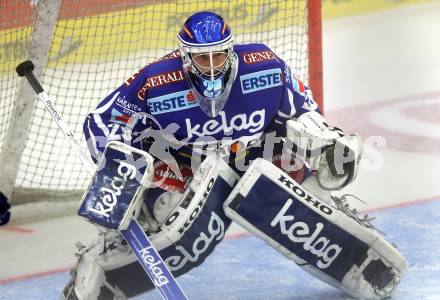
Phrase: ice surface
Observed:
(236, 271)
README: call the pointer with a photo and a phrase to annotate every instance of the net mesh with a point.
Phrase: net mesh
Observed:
(97, 45)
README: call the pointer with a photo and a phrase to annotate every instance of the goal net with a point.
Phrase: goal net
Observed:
(84, 49)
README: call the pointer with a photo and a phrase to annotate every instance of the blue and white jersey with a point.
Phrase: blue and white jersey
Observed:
(265, 94)
(156, 103)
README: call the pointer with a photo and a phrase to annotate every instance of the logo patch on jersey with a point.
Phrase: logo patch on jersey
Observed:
(259, 56)
(121, 118)
(172, 102)
(159, 80)
(309, 103)
(260, 80)
(253, 123)
(300, 88)
(127, 107)
(287, 75)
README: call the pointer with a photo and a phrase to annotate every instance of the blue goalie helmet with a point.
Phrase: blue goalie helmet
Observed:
(209, 61)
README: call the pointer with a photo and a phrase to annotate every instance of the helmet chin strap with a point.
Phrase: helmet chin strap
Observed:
(213, 112)
(211, 65)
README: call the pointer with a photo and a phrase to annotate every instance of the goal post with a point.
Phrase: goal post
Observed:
(37, 47)
(84, 49)
(315, 68)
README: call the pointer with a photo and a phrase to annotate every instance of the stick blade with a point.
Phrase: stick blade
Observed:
(25, 67)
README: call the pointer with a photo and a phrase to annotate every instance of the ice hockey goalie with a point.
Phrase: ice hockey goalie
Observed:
(235, 135)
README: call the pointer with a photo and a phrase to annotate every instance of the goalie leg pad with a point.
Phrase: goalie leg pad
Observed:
(314, 234)
(187, 236)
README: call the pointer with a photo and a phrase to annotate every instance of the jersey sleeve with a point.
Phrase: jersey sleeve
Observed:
(296, 99)
(120, 116)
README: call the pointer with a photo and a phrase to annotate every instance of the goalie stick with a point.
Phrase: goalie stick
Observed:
(145, 252)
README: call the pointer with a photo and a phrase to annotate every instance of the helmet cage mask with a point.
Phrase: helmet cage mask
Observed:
(210, 84)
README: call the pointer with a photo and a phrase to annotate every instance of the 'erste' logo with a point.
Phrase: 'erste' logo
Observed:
(260, 80)
(172, 102)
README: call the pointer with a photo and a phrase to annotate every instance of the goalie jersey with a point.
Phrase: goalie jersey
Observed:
(264, 95)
